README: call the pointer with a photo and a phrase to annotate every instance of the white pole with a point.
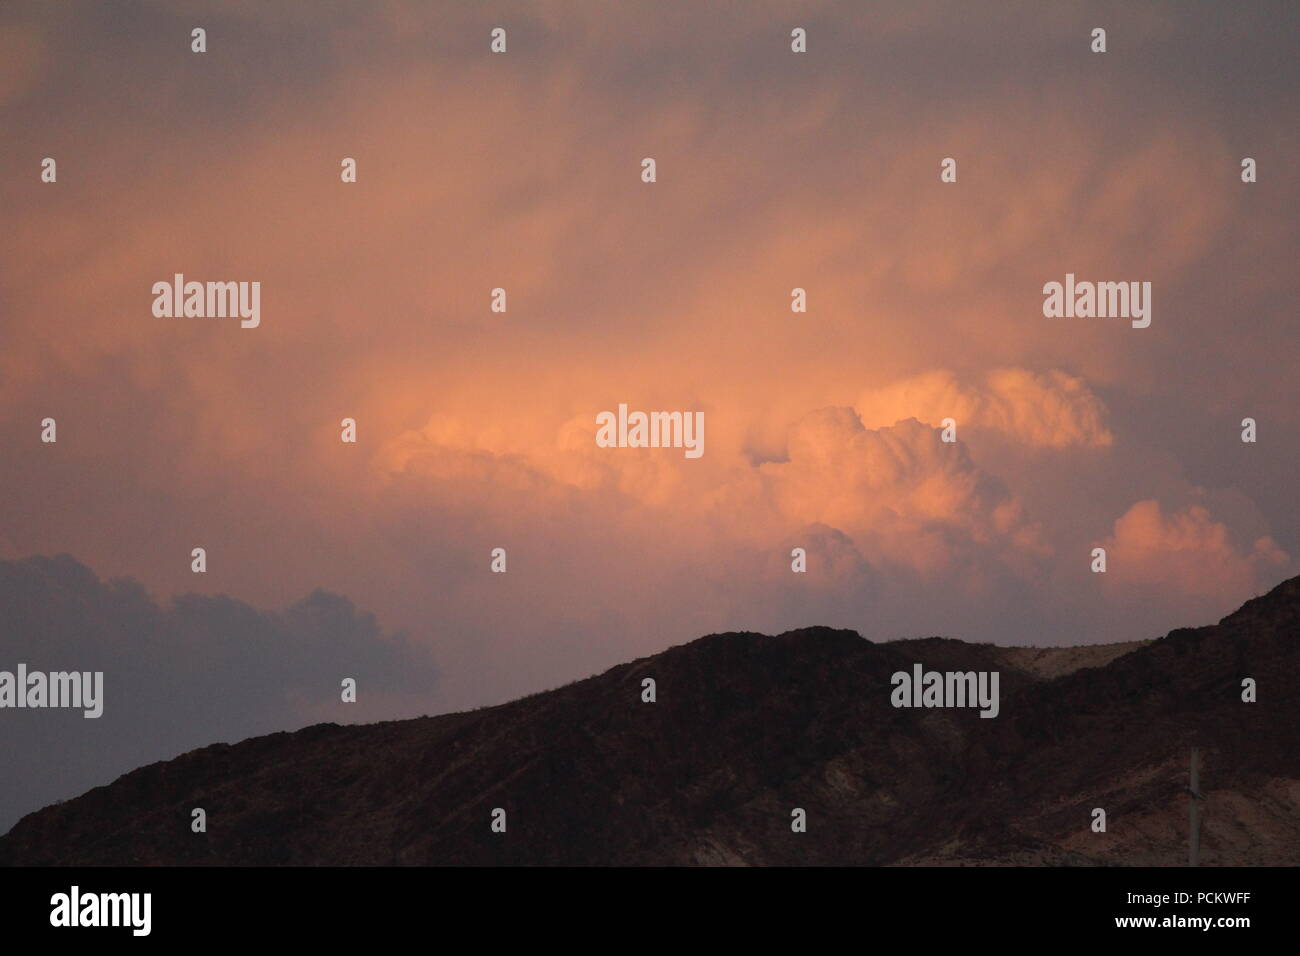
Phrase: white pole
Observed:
(1194, 812)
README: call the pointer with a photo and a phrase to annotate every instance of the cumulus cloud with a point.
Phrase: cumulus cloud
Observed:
(914, 496)
(1188, 557)
(897, 495)
(1049, 409)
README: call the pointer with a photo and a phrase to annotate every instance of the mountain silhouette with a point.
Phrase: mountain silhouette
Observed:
(746, 728)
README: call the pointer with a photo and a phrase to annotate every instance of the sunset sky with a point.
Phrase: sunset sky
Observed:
(476, 429)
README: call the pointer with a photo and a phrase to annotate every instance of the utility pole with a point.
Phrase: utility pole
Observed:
(1194, 811)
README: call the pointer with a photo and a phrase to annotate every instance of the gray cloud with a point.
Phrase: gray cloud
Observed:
(199, 670)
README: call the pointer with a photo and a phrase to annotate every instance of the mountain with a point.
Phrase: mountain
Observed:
(745, 728)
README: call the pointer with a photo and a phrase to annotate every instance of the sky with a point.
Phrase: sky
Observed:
(775, 170)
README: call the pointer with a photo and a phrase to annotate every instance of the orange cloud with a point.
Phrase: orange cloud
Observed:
(916, 498)
(1189, 555)
(1051, 409)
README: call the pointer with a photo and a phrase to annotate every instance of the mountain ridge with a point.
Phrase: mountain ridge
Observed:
(746, 728)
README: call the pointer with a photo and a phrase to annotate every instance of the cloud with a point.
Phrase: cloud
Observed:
(1188, 558)
(199, 670)
(912, 526)
(898, 482)
(1050, 409)
(22, 51)
(917, 499)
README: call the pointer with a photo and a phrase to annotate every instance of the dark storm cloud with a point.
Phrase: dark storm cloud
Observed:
(198, 670)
